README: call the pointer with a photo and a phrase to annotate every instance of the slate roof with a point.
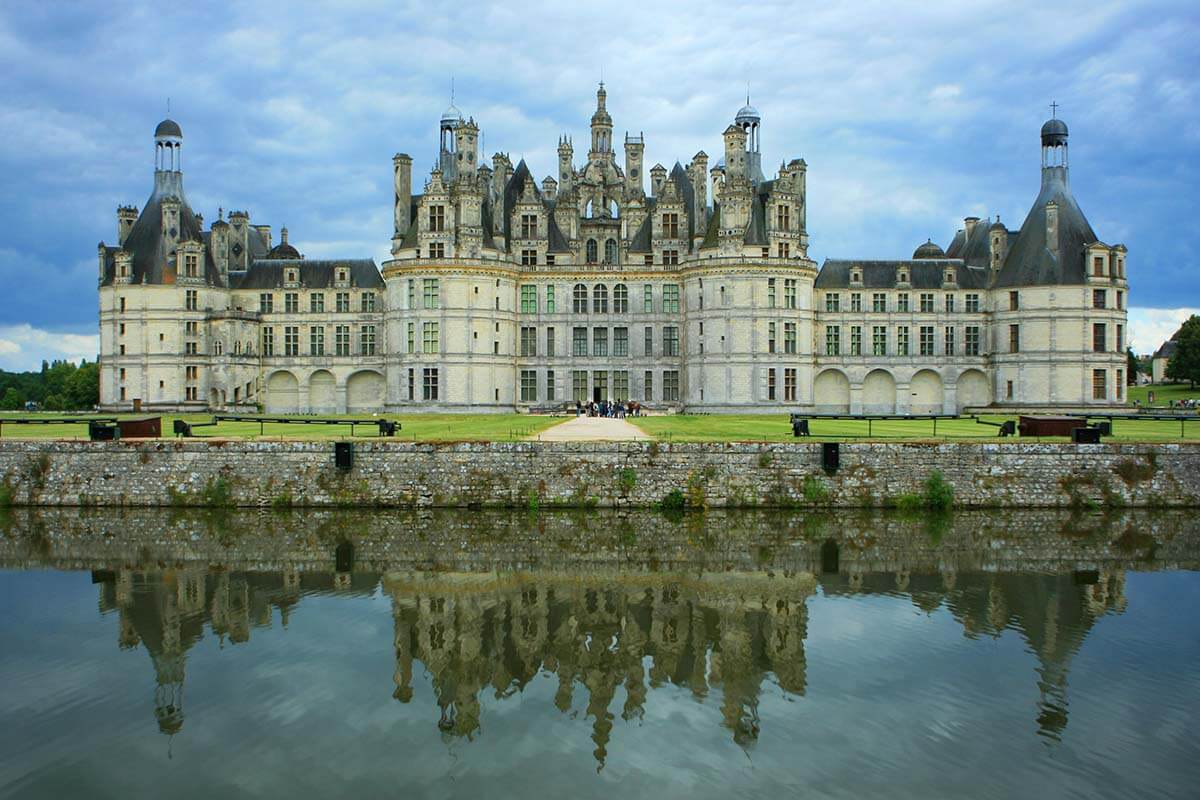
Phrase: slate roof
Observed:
(314, 273)
(922, 274)
(1029, 261)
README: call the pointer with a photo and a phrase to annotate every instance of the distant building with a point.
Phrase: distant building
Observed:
(506, 294)
(1161, 357)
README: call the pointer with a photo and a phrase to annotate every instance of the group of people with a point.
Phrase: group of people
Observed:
(616, 409)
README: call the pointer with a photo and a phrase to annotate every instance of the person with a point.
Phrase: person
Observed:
(578, 408)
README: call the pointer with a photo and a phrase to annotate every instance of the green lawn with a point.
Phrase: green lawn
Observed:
(1163, 393)
(414, 427)
(777, 428)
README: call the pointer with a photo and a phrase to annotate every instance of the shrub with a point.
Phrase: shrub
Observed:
(217, 493)
(672, 501)
(626, 480)
(6, 495)
(939, 495)
(282, 501)
(765, 458)
(815, 490)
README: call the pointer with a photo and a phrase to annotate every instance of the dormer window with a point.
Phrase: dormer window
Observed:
(902, 277)
(949, 277)
(529, 226)
(855, 276)
(341, 276)
(293, 276)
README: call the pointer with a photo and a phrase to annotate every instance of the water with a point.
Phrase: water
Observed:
(477, 655)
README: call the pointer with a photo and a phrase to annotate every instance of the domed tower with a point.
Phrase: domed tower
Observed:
(283, 250)
(1054, 141)
(750, 121)
(451, 119)
(168, 158)
(928, 250)
(601, 128)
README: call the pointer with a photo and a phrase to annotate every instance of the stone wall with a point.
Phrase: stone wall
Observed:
(537, 475)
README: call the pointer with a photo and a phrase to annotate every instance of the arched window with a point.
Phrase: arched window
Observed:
(610, 251)
(600, 299)
(579, 299)
(620, 299)
(614, 210)
(591, 249)
(587, 210)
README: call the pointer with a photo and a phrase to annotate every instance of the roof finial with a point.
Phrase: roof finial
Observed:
(747, 92)
(168, 106)
(1053, 110)
(451, 90)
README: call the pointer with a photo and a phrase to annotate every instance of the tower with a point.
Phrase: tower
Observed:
(601, 128)
(750, 121)
(634, 147)
(447, 160)
(466, 139)
(566, 169)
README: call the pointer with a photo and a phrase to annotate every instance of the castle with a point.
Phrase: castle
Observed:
(504, 294)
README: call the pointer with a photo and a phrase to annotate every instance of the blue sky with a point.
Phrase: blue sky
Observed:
(910, 118)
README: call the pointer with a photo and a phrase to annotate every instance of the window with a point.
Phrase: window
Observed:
(770, 337)
(579, 303)
(949, 333)
(192, 373)
(1120, 384)
(949, 304)
(550, 342)
(599, 341)
(620, 385)
(528, 342)
(670, 224)
(592, 251)
(833, 340)
(620, 341)
(579, 386)
(437, 219)
(926, 340)
(316, 340)
(670, 340)
(342, 302)
(528, 258)
(783, 250)
(926, 299)
(1099, 384)
(411, 395)
(341, 340)
(648, 388)
(549, 384)
(191, 265)
(648, 342)
(266, 302)
(670, 385)
(366, 340)
(268, 342)
(1099, 298)
(528, 386)
(430, 384)
(972, 303)
(770, 292)
(191, 300)
(1014, 338)
(1008, 390)
(789, 385)
(579, 342)
(600, 383)
(316, 303)
(431, 293)
(412, 337)
(412, 293)
(620, 299)
(648, 259)
(551, 308)
(671, 257)
(879, 302)
(610, 251)
(1120, 339)
(879, 340)
(789, 337)
(902, 302)
(783, 217)
(529, 304)
(191, 328)
(291, 340)
(789, 293)
(856, 301)
(647, 298)
(903, 345)
(367, 302)
(670, 298)
(430, 338)
(1014, 301)
(122, 303)
(1098, 266)
(529, 226)
(437, 250)
(856, 340)
(600, 299)
(971, 340)
(833, 302)
(1099, 336)
(770, 384)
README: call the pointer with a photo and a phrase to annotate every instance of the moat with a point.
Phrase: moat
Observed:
(495, 654)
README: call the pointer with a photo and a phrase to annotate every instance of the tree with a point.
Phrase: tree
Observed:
(82, 387)
(1131, 367)
(13, 401)
(1185, 362)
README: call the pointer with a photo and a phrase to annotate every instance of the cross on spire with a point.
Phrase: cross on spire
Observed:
(1053, 110)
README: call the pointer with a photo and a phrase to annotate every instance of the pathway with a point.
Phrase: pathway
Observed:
(592, 429)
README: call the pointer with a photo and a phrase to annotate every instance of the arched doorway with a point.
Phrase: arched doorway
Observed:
(831, 392)
(322, 393)
(364, 392)
(972, 390)
(926, 389)
(283, 393)
(879, 393)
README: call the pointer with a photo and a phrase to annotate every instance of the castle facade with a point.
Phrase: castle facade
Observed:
(506, 294)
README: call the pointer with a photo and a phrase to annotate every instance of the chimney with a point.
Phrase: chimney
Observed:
(969, 224)
(1052, 228)
(126, 216)
(402, 175)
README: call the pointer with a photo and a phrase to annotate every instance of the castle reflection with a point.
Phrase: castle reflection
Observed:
(610, 631)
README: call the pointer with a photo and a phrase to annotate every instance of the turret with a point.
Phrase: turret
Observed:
(634, 148)
(447, 161)
(735, 153)
(466, 139)
(658, 176)
(550, 187)
(750, 121)
(566, 169)
(601, 128)
(168, 158)
(126, 216)
(698, 172)
(219, 243)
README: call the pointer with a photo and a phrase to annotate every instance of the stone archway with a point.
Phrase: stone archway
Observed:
(926, 389)
(283, 393)
(831, 392)
(972, 390)
(322, 393)
(364, 392)
(879, 393)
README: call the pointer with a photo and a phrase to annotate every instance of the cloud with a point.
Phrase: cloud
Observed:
(23, 347)
(1150, 327)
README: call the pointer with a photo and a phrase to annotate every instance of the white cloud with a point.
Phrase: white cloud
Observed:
(23, 347)
(1150, 327)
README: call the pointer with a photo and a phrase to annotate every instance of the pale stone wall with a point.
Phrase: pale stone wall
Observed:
(528, 474)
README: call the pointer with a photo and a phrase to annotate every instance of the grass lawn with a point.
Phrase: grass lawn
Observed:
(777, 428)
(414, 427)
(1164, 393)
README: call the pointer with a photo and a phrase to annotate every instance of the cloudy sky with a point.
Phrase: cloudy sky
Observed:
(909, 119)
